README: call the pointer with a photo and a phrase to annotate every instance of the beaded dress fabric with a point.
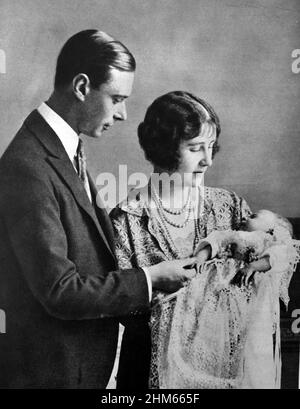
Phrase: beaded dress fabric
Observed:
(198, 335)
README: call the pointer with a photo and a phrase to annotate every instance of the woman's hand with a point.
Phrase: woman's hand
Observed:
(245, 276)
(203, 255)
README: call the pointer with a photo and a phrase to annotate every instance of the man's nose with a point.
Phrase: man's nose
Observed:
(121, 112)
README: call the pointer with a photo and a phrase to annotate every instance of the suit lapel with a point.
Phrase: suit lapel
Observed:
(60, 161)
(76, 186)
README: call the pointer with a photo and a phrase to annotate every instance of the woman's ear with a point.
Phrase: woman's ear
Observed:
(81, 86)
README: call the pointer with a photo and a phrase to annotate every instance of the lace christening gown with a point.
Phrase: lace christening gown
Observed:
(215, 334)
(199, 336)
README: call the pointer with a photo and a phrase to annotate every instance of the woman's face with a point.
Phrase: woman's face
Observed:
(196, 155)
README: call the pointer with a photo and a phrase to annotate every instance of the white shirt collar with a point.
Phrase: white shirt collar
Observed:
(65, 133)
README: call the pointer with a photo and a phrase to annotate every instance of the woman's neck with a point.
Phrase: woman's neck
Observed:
(171, 188)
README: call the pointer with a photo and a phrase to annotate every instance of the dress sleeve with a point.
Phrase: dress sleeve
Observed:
(217, 240)
(245, 209)
(227, 211)
(123, 248)
(242, 211)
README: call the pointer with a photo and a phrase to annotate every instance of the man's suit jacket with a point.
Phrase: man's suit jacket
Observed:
(59, 286)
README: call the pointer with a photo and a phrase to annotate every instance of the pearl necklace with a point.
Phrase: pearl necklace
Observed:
(174, 212)
(161, 209)
(165, 221)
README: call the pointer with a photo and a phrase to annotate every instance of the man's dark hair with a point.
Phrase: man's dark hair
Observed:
(93, 53)
(171, 119)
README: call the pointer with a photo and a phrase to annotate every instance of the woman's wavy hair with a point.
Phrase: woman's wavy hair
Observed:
(172, 118)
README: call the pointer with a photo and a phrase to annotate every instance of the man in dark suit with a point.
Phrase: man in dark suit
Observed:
(59, 284)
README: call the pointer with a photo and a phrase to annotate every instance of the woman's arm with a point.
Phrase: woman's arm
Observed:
(123, 244)
(213, 244)
(262, 264)
(275, 259)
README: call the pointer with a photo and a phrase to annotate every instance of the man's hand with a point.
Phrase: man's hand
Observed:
(170, 276)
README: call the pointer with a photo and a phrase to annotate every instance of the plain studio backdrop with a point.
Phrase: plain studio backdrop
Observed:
(236, 54)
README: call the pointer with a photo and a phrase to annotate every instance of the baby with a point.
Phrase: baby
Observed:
(264, 243)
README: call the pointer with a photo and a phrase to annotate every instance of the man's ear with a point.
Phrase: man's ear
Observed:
(81, 86)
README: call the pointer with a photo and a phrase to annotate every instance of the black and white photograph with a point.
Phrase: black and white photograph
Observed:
(150, 196)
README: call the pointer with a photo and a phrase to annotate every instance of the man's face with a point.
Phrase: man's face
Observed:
(105, 105)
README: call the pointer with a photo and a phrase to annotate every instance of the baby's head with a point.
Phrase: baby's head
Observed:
(267, 221)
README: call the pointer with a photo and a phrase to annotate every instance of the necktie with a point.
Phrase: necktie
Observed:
(80, 159)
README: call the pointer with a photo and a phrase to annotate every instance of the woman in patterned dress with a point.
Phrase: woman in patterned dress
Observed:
(167, 219)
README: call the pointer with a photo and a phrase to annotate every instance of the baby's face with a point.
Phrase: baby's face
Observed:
(263, 220)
